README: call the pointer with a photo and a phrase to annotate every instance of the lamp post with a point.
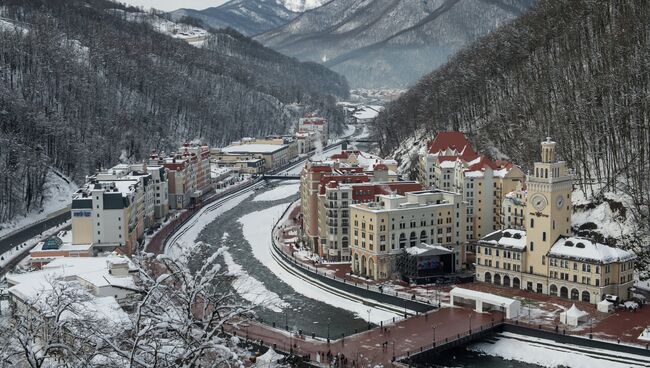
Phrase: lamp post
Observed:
(328, 330)
(286, 321)
(369, 317)
(470, 322)
(434, 335)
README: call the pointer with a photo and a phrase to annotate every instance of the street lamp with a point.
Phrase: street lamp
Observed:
(470, 322)
(369, 317)
(434, 335)
(328, 330)
(286, 323)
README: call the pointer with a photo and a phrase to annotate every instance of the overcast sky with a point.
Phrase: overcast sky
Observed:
(174, 4)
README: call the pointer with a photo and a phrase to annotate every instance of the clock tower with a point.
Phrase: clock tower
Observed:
(548, 208)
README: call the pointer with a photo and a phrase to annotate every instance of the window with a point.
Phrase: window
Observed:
(544, 236)
(532, 224)
(532, 246)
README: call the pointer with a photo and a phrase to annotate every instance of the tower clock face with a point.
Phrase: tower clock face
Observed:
(539, 202)
(559, 201)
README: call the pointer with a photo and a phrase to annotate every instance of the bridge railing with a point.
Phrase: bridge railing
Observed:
(443, 342)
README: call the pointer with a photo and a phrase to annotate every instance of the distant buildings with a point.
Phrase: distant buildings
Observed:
(384, 228)
(316, 125)
(188, 173)
(257, 155)
(544, 257)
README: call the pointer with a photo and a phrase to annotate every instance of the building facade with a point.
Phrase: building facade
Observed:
(545, 258)
(382, 229)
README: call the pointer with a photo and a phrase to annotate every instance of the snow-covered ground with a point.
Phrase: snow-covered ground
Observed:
(610, 223)
(187, 235)
(58, 196)
(191, 34)
(549, 353)
(257, 229)
(281, 192)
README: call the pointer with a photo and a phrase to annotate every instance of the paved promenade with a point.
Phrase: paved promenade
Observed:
(379, 345)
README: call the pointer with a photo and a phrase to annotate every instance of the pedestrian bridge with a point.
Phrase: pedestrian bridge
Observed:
(280, 177)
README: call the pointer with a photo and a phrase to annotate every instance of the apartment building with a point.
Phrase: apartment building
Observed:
(334, 198)
(187, 173)
(108, 214)
(450, 163)
(384, 228)
(545, 257)
(347, 167)
(160, 188)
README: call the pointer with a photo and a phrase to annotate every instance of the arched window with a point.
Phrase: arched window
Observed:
(497, 279)
(586, 297)
(488, 277)
(575, 294)
(564, 292)
(506, 280)
(402, 240)
(552, 290)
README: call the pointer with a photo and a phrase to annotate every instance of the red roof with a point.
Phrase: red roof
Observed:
(381, 167)
(454, 141)
(484, 161)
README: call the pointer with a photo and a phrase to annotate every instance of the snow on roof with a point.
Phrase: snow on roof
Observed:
(93, 270)
(508, 238)
(585, 249)
(366, 113)
(254, 148)
(474, 174)
(104, 308)
(448, 164)
(427, 248)
(479, 295)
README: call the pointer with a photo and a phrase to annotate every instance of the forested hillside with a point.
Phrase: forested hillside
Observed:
(82, 87)
(573, 69)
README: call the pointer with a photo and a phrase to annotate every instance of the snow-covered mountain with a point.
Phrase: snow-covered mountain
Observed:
(382, 43)
(250, 17)
(300, 6)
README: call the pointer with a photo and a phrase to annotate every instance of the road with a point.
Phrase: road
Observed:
(32, 231)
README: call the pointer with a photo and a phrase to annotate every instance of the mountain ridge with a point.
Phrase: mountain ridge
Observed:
(382, 36)
(249, 17)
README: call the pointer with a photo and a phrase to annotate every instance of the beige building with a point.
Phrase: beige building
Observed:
(545, 258)
(381, 230)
